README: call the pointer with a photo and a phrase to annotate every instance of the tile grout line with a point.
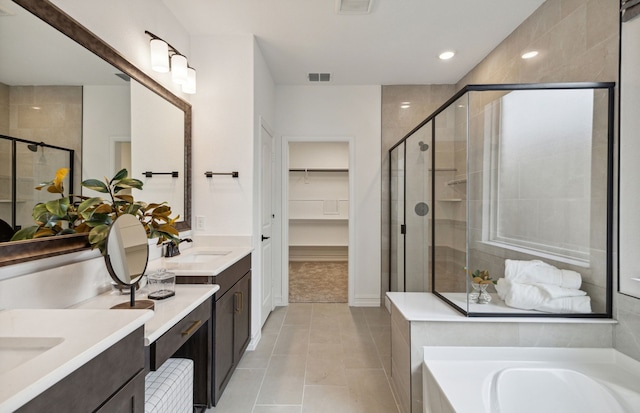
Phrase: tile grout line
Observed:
(255, 402)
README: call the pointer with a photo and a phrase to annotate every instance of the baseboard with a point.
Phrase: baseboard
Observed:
(366, 302)
(254, 342)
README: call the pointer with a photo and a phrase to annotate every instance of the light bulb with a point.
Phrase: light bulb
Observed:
(190, 85)
(159, 56)
(178, 68)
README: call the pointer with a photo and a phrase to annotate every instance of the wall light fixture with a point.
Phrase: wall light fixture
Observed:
(165, 58)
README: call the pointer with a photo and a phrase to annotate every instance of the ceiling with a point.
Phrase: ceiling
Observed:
(397, 43)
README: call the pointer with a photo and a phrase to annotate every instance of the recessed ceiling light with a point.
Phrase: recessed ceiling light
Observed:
(35, 107)
(447, 55)
(529, 55)
(405, 106)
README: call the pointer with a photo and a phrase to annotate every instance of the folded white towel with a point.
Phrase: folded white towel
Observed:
(530, 272)
(543, 297)
(567, 305)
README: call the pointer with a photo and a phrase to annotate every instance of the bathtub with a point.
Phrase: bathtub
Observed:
(529, 380)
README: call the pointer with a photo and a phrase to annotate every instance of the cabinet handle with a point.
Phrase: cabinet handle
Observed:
(193, 328)
(237, 302)
(241, 301)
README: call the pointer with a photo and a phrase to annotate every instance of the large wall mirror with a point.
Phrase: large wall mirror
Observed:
(62, 85)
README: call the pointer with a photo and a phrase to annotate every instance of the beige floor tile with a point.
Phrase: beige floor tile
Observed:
(370, 391)
(328, 351)
(382, 339)
(377, 316)
(327, 399)
(324, 335)
(362, 360)
(293, 339)
(240, 394)
(327, 358)
(278, 409)
(284, 380)
(274, 321)
(325, 372)
(259, 358)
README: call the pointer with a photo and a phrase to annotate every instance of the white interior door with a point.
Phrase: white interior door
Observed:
(266, 215)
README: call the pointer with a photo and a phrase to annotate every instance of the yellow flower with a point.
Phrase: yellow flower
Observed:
(57, 181)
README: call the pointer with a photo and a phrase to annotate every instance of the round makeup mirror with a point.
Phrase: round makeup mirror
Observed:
(126, 256)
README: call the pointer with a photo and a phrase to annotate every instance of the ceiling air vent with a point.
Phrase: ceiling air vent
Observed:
(319, 77)
(353, 6)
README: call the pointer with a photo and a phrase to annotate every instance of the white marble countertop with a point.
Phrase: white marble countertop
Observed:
(166, 313)
(222, 258)
(429, 307)
(74, 338)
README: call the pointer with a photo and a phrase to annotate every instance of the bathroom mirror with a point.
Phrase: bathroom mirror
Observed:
(49, 23)
(126, 256)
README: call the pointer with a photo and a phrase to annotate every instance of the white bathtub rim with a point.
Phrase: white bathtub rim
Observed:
(452, 373)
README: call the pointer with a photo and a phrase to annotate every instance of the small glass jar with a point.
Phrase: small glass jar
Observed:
(161, 284)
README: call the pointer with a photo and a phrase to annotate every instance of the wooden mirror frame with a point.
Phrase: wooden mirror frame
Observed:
(22, 251)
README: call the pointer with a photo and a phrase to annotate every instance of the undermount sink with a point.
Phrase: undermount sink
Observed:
(197, 257)
(15, 351)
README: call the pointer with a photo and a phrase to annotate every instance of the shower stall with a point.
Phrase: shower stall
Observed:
(501, 201)
(23, 165)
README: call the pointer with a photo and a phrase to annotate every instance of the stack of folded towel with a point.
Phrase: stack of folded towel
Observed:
(536, 285)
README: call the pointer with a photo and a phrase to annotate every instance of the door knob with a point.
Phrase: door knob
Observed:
(264, 238)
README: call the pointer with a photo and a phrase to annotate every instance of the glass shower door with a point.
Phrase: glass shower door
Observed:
(396, 241)
(418, 210)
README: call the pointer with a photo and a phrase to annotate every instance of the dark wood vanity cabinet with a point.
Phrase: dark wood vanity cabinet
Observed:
(113, 381)
(231, 315)
(189, 338)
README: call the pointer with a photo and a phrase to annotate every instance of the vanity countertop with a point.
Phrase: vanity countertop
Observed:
(166, 313)
(39, 347)
(201, 260)
(428, 307)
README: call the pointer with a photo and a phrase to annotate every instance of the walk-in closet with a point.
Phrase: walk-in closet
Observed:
(318, 205)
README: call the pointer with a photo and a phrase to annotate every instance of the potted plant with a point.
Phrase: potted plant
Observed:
(80, 214)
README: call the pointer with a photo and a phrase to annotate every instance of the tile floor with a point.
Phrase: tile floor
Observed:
(318, 357)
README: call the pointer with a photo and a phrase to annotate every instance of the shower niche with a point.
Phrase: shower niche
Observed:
(508, 189)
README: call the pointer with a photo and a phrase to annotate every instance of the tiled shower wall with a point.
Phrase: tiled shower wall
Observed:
(58, 121)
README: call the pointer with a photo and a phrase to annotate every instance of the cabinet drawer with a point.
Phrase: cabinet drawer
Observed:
(97, 381)
(172, 340)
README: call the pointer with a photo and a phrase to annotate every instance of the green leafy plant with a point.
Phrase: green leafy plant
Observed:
(80, 214)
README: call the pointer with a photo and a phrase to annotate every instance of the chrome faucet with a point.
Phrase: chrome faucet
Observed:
(172, 248)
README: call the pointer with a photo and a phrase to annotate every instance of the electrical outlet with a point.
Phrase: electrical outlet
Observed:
(200, 222)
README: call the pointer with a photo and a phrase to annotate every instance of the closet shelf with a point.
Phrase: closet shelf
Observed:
(319, 244)
(444, 169)
(328, 218)
(450, 200)
(317, 170)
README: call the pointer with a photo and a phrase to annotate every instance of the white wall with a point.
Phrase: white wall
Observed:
(223, 133)
(344, 111)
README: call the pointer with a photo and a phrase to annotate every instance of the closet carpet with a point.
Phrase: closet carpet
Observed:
(318, 281)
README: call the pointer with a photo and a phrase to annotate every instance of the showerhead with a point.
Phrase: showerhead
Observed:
(33, 147)
(423, 146)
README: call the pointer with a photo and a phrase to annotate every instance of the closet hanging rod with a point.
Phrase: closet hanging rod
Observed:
(210, 174)
(317, 170)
